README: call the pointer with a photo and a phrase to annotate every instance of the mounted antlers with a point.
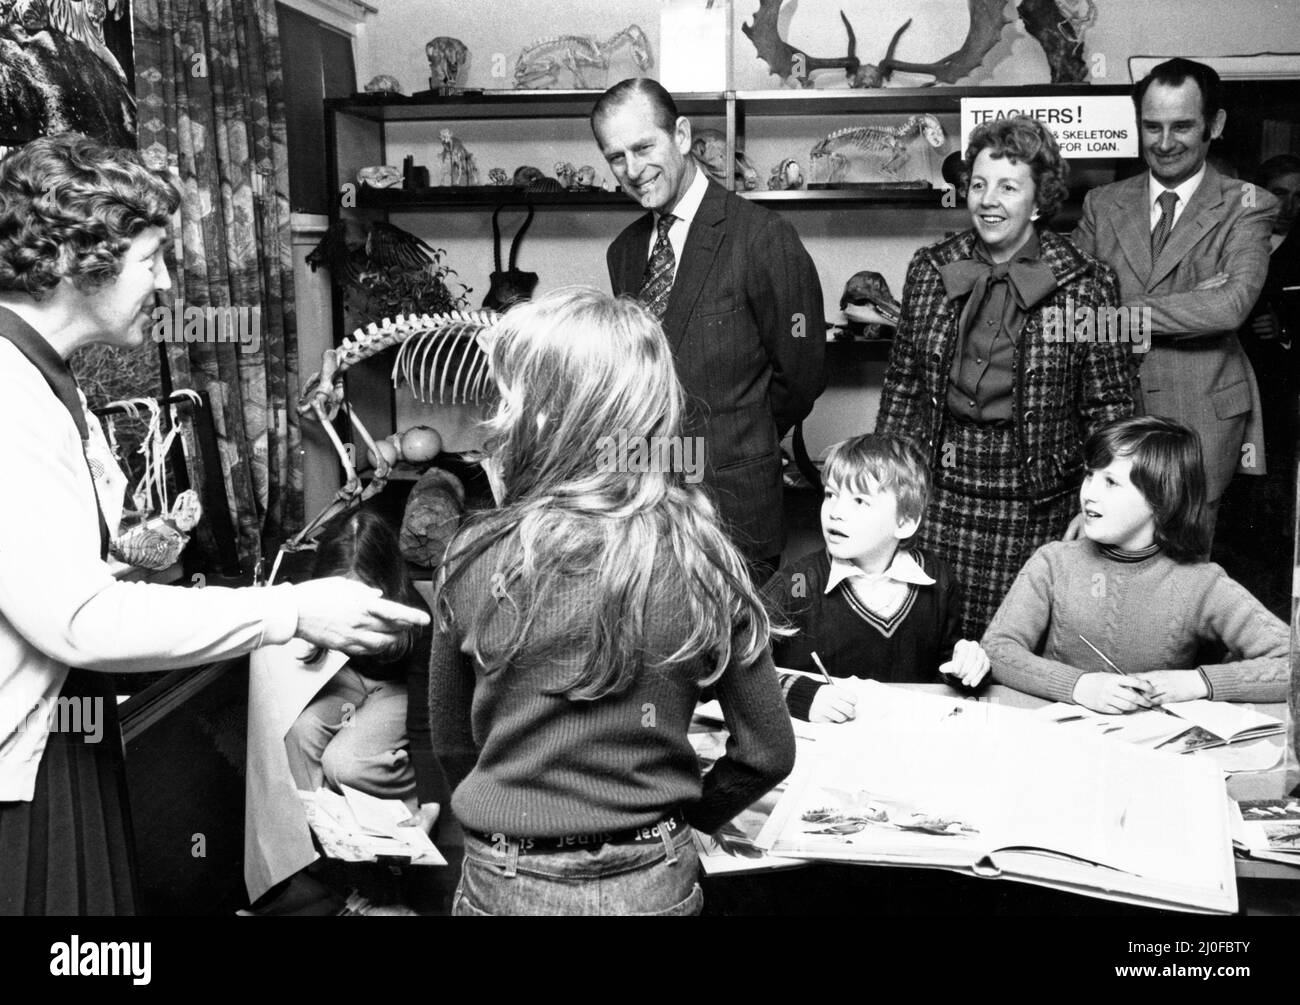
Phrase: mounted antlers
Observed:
(986, 23)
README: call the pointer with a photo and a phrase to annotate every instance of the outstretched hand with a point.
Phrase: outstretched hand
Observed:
(342, 614)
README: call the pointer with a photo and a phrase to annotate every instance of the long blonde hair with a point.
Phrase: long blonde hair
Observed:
(576, 370)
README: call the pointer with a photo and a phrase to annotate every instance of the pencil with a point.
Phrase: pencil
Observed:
(1103, 656)
(821, 667)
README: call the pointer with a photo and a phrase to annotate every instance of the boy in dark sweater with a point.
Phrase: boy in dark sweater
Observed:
(865, 605)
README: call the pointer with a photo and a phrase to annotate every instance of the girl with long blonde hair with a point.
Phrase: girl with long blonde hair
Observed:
(577, 623)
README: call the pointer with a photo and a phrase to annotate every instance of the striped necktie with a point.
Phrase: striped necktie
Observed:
(659, 270)
(1160, 236)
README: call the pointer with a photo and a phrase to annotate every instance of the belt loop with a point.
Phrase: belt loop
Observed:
(666, 836)
(512, 858)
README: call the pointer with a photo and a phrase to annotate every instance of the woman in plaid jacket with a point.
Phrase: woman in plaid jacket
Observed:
(1008, 356)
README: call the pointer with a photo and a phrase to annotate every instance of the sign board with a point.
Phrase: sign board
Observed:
(1085, 126)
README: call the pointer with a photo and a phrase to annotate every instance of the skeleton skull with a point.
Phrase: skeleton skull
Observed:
(446, 56)
(786, 175)
(384, 84)
(380, 176)
(710, 148)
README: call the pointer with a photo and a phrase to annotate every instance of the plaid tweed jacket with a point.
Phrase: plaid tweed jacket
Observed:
(1063, 390)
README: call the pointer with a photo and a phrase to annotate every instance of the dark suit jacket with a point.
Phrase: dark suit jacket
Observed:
(1064, 391)
(1195, 371)
(747, 326)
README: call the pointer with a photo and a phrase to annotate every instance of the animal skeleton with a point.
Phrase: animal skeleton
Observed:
(434, 349)
(458, 167)
(875, 139)
(539, 65)
(1078, 16)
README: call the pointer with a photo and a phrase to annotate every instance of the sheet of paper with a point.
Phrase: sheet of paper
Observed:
(336, 826)
(1254, 755)
(1146, 728)
(696, 59)
(1224, 719)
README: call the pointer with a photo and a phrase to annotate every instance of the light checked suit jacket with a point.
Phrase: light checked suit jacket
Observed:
(1195, 371)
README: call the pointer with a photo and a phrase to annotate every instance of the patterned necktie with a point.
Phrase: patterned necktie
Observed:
(658, 283)
(1160, 236)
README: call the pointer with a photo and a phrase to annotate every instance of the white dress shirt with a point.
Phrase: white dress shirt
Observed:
(687, 206)
(885, 592)
(1185, 191)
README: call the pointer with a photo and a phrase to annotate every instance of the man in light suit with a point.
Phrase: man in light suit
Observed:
(1191, 245)
(739, 300)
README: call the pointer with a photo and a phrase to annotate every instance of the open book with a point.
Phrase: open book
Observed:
(1220, 723)
(921, 780)
(1269, 829)
(1238, 739)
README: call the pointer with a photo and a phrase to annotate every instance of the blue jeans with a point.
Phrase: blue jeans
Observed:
(659, 878)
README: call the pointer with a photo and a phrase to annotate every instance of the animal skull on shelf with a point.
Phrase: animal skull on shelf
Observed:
(709, 147)
(446, 57)
(446, 352)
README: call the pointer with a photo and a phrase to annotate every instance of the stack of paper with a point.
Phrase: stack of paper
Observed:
(356, 827)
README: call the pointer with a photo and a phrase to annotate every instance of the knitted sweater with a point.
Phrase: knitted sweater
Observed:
(529, 763)
(59, 603)
(910, 649)
(1152, 614)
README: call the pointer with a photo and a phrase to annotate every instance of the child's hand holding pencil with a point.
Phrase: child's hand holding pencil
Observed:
(832, 703)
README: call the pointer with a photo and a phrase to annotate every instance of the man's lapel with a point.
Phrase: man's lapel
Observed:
(702, 243)
(1133, 225)
(634, 254)
(1204, 210)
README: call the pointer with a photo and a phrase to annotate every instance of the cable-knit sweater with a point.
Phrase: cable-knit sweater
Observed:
(1152, 614)
(529, 763)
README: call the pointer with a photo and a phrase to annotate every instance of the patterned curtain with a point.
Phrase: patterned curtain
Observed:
(211, 108)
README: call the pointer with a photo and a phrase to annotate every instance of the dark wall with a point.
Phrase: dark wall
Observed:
(317, 64)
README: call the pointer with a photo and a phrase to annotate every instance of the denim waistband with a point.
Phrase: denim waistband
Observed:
(650, 833)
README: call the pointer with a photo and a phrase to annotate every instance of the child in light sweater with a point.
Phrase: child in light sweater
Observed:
(1135, 587)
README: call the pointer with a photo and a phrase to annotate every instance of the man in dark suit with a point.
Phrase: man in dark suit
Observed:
(739, 300)
(1192, 246)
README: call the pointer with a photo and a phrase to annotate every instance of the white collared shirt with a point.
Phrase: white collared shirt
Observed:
(687, 206)
(1185, 191)
(885, 592)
